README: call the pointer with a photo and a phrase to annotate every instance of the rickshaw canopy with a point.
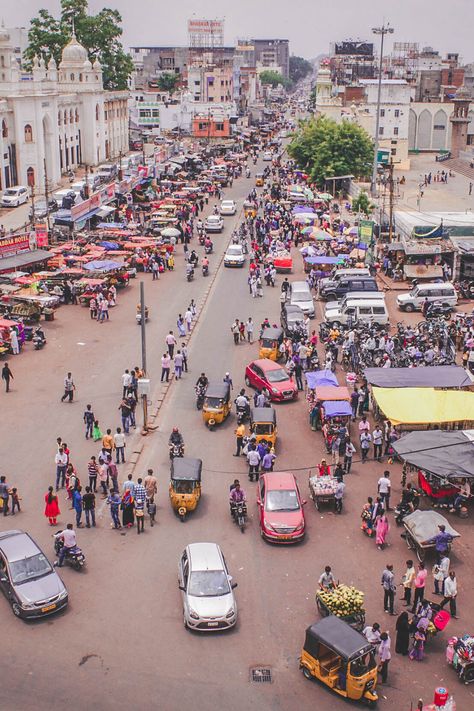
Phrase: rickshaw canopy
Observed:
(272, 334)
(338, 636)
(263, 415)
(218, 390)
(186, 469)
(318, 378)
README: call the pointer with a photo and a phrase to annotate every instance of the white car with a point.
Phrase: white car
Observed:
(228, 207)
(214, 223)
(17, 195)
(207, 589)
(234, 256)
(267, 156)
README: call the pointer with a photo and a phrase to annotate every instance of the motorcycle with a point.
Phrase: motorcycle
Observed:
(406, 507)
(190, 274)
(208, 248)
(74, 556)
(243, 411)
(39, 339)
(202, 239)
(239, 514)
(205, 270)
(176, 450)
(247, 173)
(200, 395)
(138, 315)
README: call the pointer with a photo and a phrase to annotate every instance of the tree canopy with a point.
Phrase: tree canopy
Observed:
(324, 148)
(299, 68)
(272, 77)
(362, 203)
(168, 81)
(100, 34)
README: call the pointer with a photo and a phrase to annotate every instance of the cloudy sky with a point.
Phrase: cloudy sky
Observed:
(310, 25)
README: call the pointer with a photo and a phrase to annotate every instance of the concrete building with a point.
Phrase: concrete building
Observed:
(210, 83)
(55, 119)
(272, 54)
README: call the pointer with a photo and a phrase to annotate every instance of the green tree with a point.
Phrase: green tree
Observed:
(270, 76)
(100, 34)
(362, 204)
(324, 148)
(168, 82)
(299, 68)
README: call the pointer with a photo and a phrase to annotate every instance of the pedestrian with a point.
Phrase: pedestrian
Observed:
(249, 329)
(417, 652)
(61, 460)
(7, 375)
(114, 502)
(227, 379)
(69, 388)
(129, 484)
(119, 444)
(381, 529)
(103, 310)
(408, 581)
(93, 308)
(155, 270)
(354, 403)
(365, 439)
(89, 419)
(384, 656)
(126, 382)
(165, 366)
(419, 582)
(440, 573)
(442, 541)
(104, 477)
(349, 452)
(16, 498)
(450, 593)
(339, 495)
(96, 431)
(140, 498)
(124, 408)
(93, 471)
(235, 330)
(403, 634)
(4, 494)
(184, 353)
(113, 473)
(51, 510)
(188, 317)
(77, 505)
(150, 483)
(178, 365)
(470, 188)
(253, 458)
(15, 346)
(170, 342)
(388, 584)
(239, 433)
(108, 443)
(298, 371)
(377, 439)
(128, 508)
(384, 487)
(181, 328)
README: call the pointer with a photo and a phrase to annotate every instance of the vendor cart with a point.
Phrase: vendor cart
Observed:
(460, 655)
(322, 490)
(421, 526)
(328, 603)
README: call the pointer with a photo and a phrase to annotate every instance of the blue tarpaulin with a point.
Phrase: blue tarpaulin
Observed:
(336, 408)
(303, 208)
(109, 245)
(103, 265)
(324, 260)
(316, 378)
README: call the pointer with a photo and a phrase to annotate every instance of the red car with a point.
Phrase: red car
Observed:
(265, 373)
(280, 507)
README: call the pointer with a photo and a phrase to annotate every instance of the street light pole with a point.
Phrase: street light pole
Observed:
(382, 31)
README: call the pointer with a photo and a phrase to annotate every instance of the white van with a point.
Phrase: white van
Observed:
(301, 296)
(340, 273)
(356, 296)
(367, 311)
(433, 291)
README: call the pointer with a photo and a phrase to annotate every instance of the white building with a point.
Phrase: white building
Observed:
(55, 119)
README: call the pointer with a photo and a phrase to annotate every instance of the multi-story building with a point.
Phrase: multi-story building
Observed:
(272, 54)
(351, 60)
(210, 83)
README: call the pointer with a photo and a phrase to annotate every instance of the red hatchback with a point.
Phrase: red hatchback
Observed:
(265, 373)
(280, 507)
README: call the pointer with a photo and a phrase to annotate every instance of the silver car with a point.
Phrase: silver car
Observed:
(234, 256)
(207, 588)
(27, 579)
(214, 223)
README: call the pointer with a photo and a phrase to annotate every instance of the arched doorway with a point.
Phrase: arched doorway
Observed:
(48, 147)
(30, 176)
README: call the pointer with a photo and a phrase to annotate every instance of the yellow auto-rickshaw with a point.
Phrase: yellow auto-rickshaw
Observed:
(259, 180)
(216, 405)
(263, 425)
(341, 658)
(270, 343)
(185, 484)
(250, 209)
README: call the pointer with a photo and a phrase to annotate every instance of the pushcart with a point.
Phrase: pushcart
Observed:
(356, 619)
(322, 490)
(421, 526)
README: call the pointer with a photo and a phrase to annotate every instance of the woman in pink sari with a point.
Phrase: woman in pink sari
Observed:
(381, 530)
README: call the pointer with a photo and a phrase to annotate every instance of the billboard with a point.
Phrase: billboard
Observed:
(206, 34)
(362, 49)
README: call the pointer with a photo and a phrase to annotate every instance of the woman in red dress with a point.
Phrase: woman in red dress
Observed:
(51, 510)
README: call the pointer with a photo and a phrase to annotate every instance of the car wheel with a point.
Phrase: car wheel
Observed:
(184, 622)
(16, 609)
(247, 382)
(409, 308)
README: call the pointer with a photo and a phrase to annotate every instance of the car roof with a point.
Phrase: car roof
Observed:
(232, 201)
(279, 480)
(266, 364)
(16, 545)
(293, 307)
(214, 217)
(205, 556)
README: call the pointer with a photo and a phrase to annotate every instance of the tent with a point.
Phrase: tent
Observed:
(445, 454)
(324, 260)
(336, 408)
(317, 378)
(424, 406)
(440, 376)
(330, 392)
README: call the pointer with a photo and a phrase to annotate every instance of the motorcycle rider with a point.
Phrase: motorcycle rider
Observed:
(193, 258)
(202, 381)
(242, 403)
(237, 496)
(205, 266)
(208, 245)
(176, 439)
(68, 537)
(189, 270)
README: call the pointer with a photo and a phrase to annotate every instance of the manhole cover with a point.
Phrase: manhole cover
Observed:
(261, 675)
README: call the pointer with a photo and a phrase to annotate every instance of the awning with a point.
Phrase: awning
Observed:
(426, 406)
(105, 211)
(446, 454)
(440, 376)
(316, 378)
(394, 247)
(422, 271)
(336, 408)
(24, 259)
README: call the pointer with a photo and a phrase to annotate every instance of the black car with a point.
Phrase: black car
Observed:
(291, 319)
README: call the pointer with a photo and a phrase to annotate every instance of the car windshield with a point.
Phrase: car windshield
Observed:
(282, 500)
(208, 583)
(10, 192)
(213, 218)
(236, 251)
(228, 204)
(277, 376)
(28, 569)
(300, 296)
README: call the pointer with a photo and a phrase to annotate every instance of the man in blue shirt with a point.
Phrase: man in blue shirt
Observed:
(442, 541)
(114, 502)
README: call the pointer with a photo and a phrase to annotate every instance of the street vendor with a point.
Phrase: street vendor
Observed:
(327, 580)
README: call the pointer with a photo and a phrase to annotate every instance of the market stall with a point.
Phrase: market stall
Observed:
(425, 408)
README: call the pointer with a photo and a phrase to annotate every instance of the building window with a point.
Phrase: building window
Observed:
(380, 130)
(77, 116)
(395, 131)
(393, 152)
(97, 112)
(397, 113)
(382, 112)
(219, 126)
(438, 127)
(65, 117)
(59, 118)
(71, 116)
(2, 61)
(28, 134)
(72, 77)
(4, 129)
(30, 177)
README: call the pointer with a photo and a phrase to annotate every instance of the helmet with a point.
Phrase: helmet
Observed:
(175, 429)
(227, 375)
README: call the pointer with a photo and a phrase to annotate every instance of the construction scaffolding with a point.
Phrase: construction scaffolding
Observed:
(205, 34)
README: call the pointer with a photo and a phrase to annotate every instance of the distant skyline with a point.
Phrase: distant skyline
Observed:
(310, 26)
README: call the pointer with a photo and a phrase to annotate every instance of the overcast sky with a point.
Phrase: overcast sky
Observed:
(447, 25)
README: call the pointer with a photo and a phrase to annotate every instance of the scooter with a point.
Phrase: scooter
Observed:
(176, 450)
(74, 556)
(205, 270)
(202, 238)
(190, 274)
(242, 413)
(208, 248)
(39, 339)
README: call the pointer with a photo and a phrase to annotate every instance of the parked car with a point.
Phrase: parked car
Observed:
(267, 156)
(15, 196)
(214, 223)
(234, 256)
(433, 291)
(206, 588)
(27, 579)
(265, 373)
(228, 207)
(301, 296)
(281, 514)
(291, 318)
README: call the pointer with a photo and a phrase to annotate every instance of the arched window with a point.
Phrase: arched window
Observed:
(4, 129)
(71, 116)
(77, 116)
(28, 133)
(2, 61)
(72, 77)
(65, 117)
(59, 118)
(30, 176)
(97, 112)
(80, 77)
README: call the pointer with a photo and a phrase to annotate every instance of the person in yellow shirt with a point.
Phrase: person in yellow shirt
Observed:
(239, 433)
(108, 442)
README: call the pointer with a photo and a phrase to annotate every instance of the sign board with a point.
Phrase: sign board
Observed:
(350, 48)
(366, 231)
(14, 244)
(383, 156)
(206, 33)
(41, 232)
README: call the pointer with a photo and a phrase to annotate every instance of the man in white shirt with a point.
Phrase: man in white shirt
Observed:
(384, 485)
(372, 634)
(170, 342)
(69, 540)
(119, 441)
(188, 317)
(126, 382)
(253, 458)
(450, 593)
(61, 464)
(377, 439)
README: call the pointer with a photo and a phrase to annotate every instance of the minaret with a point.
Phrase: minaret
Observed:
(459, 121)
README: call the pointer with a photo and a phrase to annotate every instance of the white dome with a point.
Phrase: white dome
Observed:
(74, 53)
(97, 65)
(87, 65)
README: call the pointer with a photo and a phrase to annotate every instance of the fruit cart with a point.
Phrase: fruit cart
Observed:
(344, 602)
(322, 490)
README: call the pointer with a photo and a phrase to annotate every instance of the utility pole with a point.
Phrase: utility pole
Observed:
(46, 194)
(33, 214)
(382, 31)
(143, 333)
(391, 200)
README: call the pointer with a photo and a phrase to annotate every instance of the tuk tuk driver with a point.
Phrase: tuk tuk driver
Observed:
(327, 580)
(237, 496)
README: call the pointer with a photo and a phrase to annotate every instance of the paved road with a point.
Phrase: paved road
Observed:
(122, 641)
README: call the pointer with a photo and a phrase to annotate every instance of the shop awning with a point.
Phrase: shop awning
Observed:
(316, 378)
(422, 271)
(24, 259)
(105, 211)
(336, 408)
(440, 376)
(424, 406)
(446, 454)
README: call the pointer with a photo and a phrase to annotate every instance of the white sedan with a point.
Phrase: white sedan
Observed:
(234, 256)
(214, 223)
(267, 156)
(228, 207)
